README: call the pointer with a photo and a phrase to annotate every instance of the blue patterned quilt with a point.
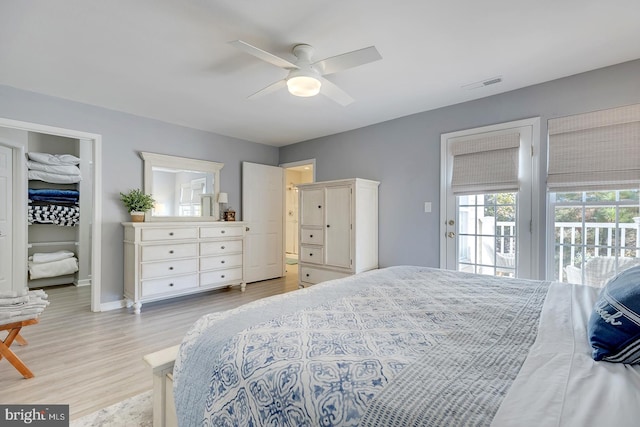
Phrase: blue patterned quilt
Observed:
(397, 346)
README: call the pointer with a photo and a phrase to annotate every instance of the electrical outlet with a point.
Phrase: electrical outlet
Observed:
(427, 207)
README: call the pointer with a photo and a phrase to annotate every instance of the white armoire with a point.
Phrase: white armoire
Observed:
(338, 229)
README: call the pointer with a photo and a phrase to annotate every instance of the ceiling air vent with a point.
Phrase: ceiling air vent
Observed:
(483, 83)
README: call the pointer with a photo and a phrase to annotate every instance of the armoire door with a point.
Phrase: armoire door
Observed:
(338, 226)
(312, 207)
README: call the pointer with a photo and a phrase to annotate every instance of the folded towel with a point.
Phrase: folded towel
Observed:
(54, 159)
(54, 178)
(53, 269)
(59, 169)
(13, 294)
(20, 318)
(13, 301)
(40, 257)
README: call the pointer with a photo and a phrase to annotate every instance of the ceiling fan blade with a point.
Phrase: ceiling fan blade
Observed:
(263, 54)
(333, 92)
(347, 60)
(269, 89)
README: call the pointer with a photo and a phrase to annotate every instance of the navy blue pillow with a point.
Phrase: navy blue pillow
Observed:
(614, 324)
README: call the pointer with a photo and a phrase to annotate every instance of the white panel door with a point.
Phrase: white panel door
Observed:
(263, 211)
(488, 233)
(338, 226)
(6, 209)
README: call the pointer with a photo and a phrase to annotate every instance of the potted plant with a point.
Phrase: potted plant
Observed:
(137, 203)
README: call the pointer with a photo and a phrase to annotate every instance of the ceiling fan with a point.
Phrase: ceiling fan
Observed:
(305, 77)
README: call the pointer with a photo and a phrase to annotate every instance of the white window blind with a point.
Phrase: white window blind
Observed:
(593, 151)
(485, 165)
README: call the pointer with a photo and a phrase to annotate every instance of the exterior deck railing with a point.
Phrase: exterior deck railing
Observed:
(598, 239)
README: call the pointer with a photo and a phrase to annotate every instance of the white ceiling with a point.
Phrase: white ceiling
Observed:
(169, 59)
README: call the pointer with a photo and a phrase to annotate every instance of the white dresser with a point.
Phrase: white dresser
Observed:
(169, 259)
(338, 229)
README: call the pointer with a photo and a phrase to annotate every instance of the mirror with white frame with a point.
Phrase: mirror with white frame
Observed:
(184, 189)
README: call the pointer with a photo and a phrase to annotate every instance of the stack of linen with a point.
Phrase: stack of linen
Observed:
(17, 306)
(53, 206)
(52, 264)
(54, 168)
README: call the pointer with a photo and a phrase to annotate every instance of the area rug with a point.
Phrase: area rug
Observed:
(137, 411)
(292, 261)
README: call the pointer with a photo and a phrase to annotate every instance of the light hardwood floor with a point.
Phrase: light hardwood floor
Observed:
(92, 360)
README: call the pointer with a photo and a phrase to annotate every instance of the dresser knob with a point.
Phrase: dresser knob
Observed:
(222, 262)
(170, 268)
(222, 276)
(319, 207)
(222, 231)
(307, 274)
(221, 247)
(311, 236)
(328, 226)
(170, 284)
(171, 234)
(310, 254)
(171, 251)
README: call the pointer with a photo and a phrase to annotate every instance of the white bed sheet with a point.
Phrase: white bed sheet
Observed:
(559, 383)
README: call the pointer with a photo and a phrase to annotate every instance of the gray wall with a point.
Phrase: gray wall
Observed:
(404, 154)
(123, 136)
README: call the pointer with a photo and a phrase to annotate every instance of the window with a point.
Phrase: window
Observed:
(595, 234)
(593, 189)
(487, 234)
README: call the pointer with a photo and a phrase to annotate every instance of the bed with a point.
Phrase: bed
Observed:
(398, 346)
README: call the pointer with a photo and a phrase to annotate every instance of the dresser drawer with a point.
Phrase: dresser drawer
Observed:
(311, 236)
(155, 234)
(222, 231)
(222, 261)
(167, 252)
(169, 284)
(166, 268)
(211, 278)
(312, 254)
(219, 248)
(316, 275)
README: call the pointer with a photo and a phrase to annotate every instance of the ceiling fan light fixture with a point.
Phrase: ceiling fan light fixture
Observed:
(304, 86)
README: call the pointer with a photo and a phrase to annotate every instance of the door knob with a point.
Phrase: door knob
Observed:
(451, 222)
(451, 234)
(247, 229)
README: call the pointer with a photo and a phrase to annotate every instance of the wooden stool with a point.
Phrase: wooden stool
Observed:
(14, 334)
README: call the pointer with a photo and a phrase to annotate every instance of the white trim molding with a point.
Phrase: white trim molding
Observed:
(96, 224)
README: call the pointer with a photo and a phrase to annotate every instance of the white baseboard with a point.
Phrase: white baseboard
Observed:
(113, 305)
(83, 282)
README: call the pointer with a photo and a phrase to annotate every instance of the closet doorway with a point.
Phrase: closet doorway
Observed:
(295, 173)
(54, 231)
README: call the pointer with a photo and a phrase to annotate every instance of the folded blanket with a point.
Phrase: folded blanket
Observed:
(8, 302)
(53, 192)
(53, 214)
(54, 159)
(54, 178)
(36, 302)
(59, 169)
(53, 269)
(40, 257)
(20, 318)
(13, 294)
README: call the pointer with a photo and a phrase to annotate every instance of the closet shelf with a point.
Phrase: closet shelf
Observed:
(42, 244)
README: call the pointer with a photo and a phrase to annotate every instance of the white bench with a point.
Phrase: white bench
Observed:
(161, 363)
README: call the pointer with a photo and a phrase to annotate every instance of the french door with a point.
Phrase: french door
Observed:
(486, 200)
